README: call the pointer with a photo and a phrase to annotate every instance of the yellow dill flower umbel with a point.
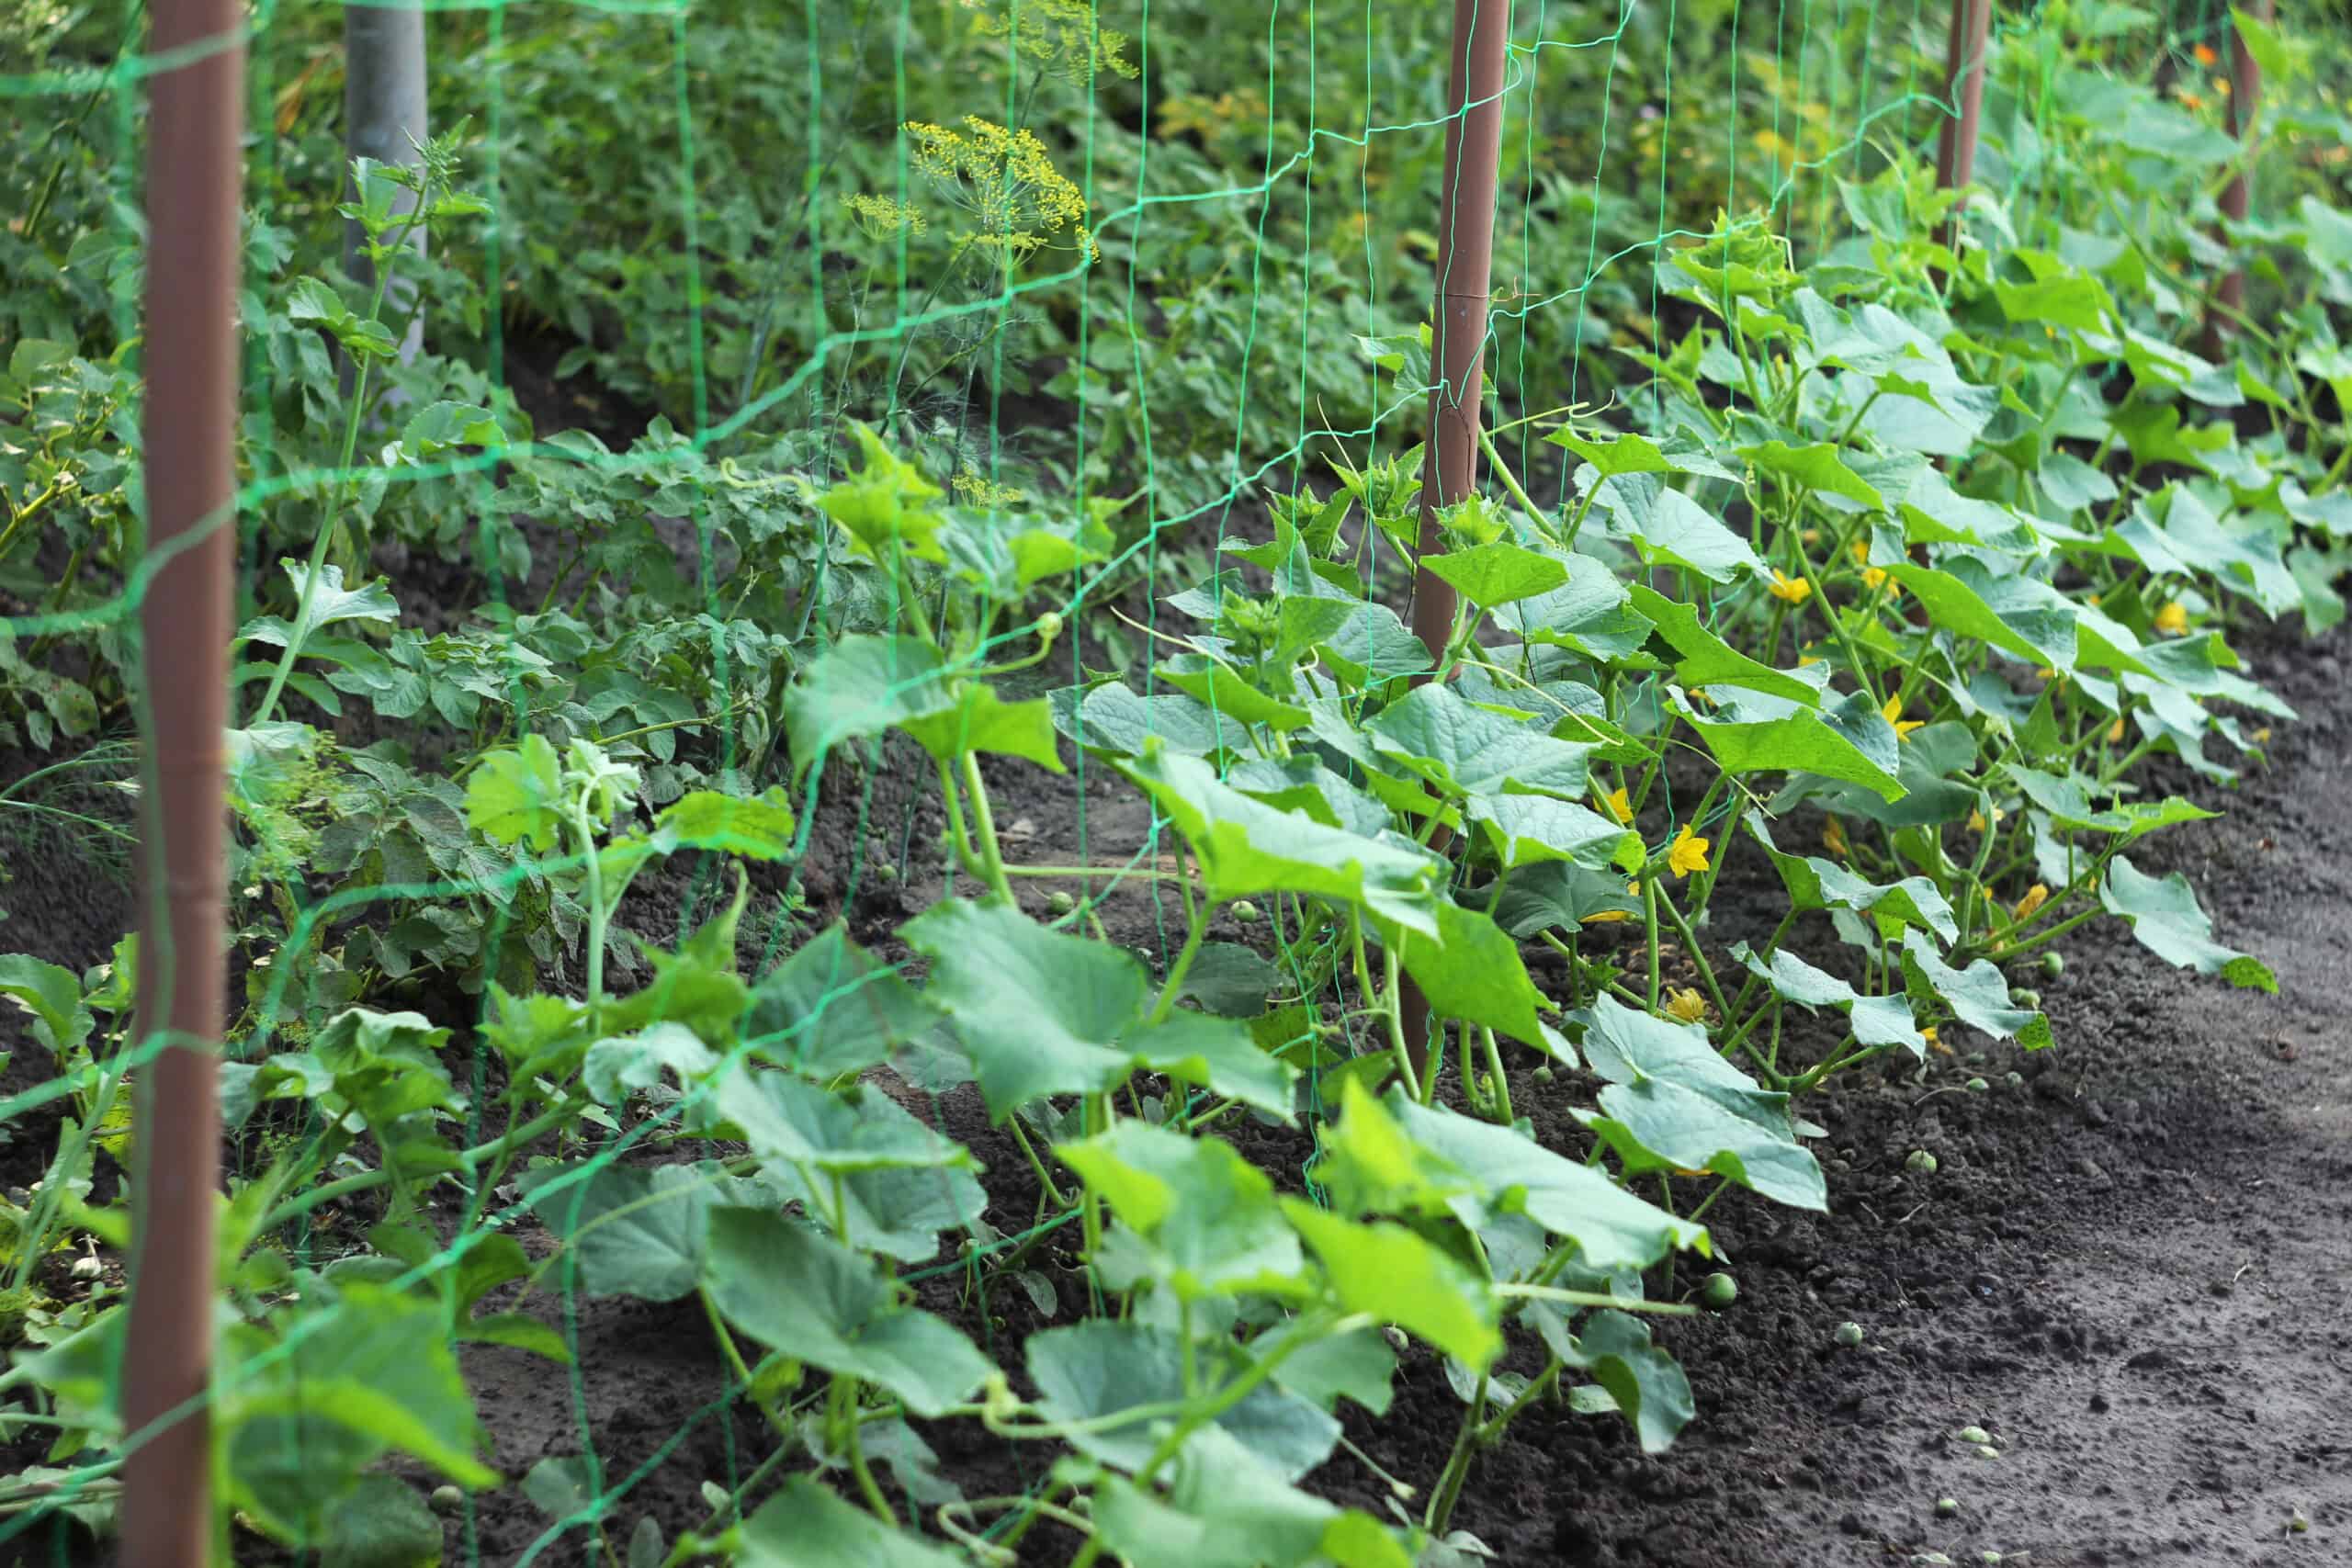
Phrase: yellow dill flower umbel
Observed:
(1686, 1006)
(1789, 589)
(1005, 183)
(1687, 853)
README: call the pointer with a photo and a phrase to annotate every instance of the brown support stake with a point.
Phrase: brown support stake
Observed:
(1466, 256)
(195, 124)
(1964, 88)
(2245, 99)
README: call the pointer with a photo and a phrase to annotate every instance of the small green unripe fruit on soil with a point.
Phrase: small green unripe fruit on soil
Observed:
(1244, 910)
(2025, 996)
(1989, 1451)
(1544, 1074)
(1719, 1291)
(1947, 1507)
(1977, 1085)
(1921, 1163)
(1850, 1335)
(447, 1499)
(1059, 903)
(1976, 1435)
(2054, 964)
(2015, 1080)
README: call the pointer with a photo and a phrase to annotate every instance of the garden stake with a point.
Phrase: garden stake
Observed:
(1965, 89)
(1466, 231)
(2245, 96)
(193, 200)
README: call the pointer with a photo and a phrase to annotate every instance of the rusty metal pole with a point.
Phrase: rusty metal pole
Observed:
(2246, 97)
(1466, 233)
(1965, 89)
(195, 123)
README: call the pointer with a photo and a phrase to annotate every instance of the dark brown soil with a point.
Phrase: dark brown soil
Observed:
(2134, 1270)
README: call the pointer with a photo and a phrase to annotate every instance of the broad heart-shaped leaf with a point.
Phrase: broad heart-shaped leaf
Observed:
(1498, 573)
(1877, 1021)
(515, 795)
(980, 720)
(1473, 972)
(1221, 688)
(1222, 1510)
(1041, 1011)
(833, 1009)
(1849, 740)
(634, 1231)
(1978, 995)
(330, 602)
(1672, 1103)
(1559, 895)
(858, 1162)
(1104, 1367)
(815, 1301)
(806, 1525)
(1398, 1277)
(2017, 614)
(861, 685)
(1370, 1165)
(1198, 1218)
(1816, 467)
(619, 1063)
(1589, 616)
(359, 1373)
(757, 827)
(1229, 980)
(1111, 719)
(1641, 1380)
(2069, 806)
(1044, 1012)
(1245, 847)
(1816, 884)
(1532, 828)
(2165, 915)
(1707, 659)
(1373, 647)
(51, 994)
(1514, 1175)
(1626, 454)
(1668, 528)
(1465, 750)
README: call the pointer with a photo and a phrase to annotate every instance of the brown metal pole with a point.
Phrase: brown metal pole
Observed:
(2245, 96)
(195, 123)
(1466, 254)
(1964, 88)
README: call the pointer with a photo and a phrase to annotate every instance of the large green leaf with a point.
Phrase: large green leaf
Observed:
(1398, 1277)
(1814, 883)
(806, 1524)
(1850, 741)
(51, 994)
(980, 720)
(2017, 614)
(1102, 1368)
(2069, 806)
(1041, 1011)
(1877, 1021)
(815, 1301)
(862, 685)
(1223, 1510)
(1245, 847)
(833, 1008)
(1196, 1217)
(1498, 573)
(1465, 750)
(634, 1230)
(1707, 659)
(1672, 1103)
(1472, 971)
(1514, 1175)
(1528, 829)
(1639, 1378)
(1668, 528)
(1817, 468)
(1978, 995)
(2165, 915)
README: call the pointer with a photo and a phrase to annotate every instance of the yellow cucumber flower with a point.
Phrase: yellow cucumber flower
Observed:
(2173, 619)
(1893, 712)
(1686, 1006)
(1615, 806)
(1688, 853)
(2035, 897)
(1789, 589)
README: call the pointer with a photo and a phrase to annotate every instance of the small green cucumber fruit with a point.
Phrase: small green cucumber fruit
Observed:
(1719, 1291)
(1850, 1335)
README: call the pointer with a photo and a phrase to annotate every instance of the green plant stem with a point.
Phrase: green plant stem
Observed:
(844, 1395)
(1501, 1085)
(1649, 919)
(984, 829)
(467, 1159)
(1457, 1464)
(1691, 944)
